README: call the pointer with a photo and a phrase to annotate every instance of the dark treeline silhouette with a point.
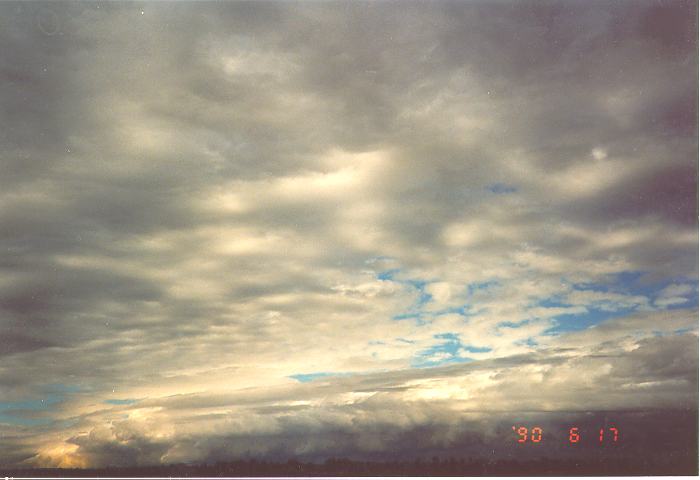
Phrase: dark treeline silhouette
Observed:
(685, 465)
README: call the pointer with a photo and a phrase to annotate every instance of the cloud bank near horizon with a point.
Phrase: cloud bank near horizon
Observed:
(229, 225)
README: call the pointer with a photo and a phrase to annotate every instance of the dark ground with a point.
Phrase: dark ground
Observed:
(687, 465)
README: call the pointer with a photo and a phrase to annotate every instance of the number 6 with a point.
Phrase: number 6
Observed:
(574, 437)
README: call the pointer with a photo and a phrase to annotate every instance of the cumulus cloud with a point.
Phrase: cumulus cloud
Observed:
(202, 204)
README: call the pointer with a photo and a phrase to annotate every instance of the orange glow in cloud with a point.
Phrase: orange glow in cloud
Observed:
(60, 455)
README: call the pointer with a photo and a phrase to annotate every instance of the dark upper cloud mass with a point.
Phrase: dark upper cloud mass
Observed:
(372, 230)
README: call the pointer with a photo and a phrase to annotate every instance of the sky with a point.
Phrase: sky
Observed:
(363, 229)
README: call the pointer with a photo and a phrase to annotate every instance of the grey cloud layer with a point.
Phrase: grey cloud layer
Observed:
(198, 197)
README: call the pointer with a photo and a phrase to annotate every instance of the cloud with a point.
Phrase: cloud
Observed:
(462, 406)
(674, 294)
(200, 203)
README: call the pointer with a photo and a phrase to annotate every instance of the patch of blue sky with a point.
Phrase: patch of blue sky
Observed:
(415, 311)
(423, 299)
(530, 342)
(462, 310)
(33, 404)
(388, 274)
(473, 349)
(310, 377)
(580, 321)
(620, 282)
(555, 301)
(121, 401)
(634, 282)
(501, 188)
(517, 324)
(22, 412)
(422, 317)
(452, 337)
(430, 361)
(445, 352)
(638, 283)
(691, 300)
(419, 285)
(62, 388)
(473, 288)
(14, 418)
(405, 316)
(678, 331)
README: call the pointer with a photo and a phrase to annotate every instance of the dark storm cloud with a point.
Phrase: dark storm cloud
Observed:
(306, 436)
(15, 450)
(130, 449)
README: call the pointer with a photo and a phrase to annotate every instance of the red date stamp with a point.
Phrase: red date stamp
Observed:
(535, 434)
